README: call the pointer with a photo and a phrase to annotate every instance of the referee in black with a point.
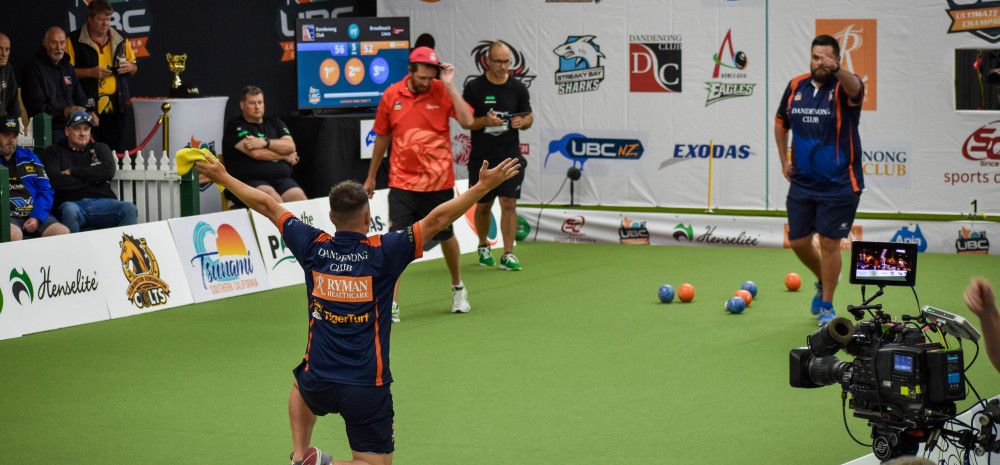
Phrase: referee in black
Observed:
(501, 109)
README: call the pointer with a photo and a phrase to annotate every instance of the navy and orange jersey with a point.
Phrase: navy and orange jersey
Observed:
(826, 147)
(349, 284)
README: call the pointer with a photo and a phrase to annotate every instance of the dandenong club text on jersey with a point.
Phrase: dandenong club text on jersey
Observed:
(349, 284)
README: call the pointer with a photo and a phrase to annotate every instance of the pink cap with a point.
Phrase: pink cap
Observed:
(425, 55)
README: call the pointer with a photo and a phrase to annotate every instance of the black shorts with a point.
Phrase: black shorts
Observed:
(510, 188)
(42, 225)
(281, 185)
(367, 410)
(831, 217)
(408, 207)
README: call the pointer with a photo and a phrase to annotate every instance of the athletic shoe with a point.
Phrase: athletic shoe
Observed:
(395, 312)
(825, 315)
(485, 257)
(509, 262)
(314, 456)
(817, 299)
(460, 301)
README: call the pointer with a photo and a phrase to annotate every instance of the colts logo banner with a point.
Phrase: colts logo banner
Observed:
(145, 288)
(579, 148)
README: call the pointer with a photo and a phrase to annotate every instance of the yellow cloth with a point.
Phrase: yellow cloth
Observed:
(186, 158)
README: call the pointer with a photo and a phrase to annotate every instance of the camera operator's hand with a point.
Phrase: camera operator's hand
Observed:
(980, 298)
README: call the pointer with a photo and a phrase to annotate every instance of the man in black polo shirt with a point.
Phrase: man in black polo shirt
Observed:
(259, 150)
(501, 107)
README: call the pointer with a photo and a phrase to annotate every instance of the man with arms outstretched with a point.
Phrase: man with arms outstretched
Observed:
(349, 286)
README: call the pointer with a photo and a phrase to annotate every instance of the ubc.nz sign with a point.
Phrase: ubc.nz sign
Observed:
(579, 148)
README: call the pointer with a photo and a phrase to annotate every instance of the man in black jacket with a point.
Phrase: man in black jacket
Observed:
(8, 83)
(104, 61)
(80, 171)
(51, 85)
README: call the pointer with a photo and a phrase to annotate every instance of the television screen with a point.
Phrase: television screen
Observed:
(883, 263)
(349, 62)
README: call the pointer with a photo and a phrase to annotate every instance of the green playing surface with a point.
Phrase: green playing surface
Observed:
(572, 361)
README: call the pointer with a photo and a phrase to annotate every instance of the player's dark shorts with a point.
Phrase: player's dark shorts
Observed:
(830, 217)
(281, 185)
(408, 207)
(510, 188)
(367, 410)
(42, 225)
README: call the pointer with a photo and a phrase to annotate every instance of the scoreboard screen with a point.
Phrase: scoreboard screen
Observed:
(349, 62)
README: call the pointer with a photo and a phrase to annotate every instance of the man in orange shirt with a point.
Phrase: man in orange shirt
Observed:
(414, 114)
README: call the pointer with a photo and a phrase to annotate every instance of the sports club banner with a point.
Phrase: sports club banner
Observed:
(219, 255)
(281, 265)
(51, 283)
(589, 226)
(690, 76)
(140, 269)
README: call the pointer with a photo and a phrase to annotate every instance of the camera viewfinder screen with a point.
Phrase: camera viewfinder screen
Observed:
(902, 363)
(883, 263)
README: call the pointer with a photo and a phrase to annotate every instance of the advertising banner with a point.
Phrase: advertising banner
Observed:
(140, 269)
(52, 282)
(590, 226)
(219, 255)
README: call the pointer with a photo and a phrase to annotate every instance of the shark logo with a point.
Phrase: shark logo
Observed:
(579, 148)
(579, 53)
(580, 65)
(20, 283)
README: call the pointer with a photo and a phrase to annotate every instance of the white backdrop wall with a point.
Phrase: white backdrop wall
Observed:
(912, 136)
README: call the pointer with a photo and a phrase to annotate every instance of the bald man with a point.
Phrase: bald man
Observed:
(8, 83)
(51, 85)
(502, 109)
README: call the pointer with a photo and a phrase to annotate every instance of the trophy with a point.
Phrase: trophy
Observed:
(176, 64)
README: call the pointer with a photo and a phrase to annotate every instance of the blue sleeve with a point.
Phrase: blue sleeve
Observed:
(41, 191)
(401, 247)
(854, 103)
(299, 237)
(782, 116)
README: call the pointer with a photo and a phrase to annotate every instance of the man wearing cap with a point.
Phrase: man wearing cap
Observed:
(51, 85)
(80, 171)
(8, 83)
(30, 191)
(414, 114)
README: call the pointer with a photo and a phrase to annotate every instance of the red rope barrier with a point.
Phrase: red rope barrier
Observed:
(149, 137)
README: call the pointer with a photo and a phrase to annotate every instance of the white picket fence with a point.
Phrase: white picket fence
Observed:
(150, 181)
